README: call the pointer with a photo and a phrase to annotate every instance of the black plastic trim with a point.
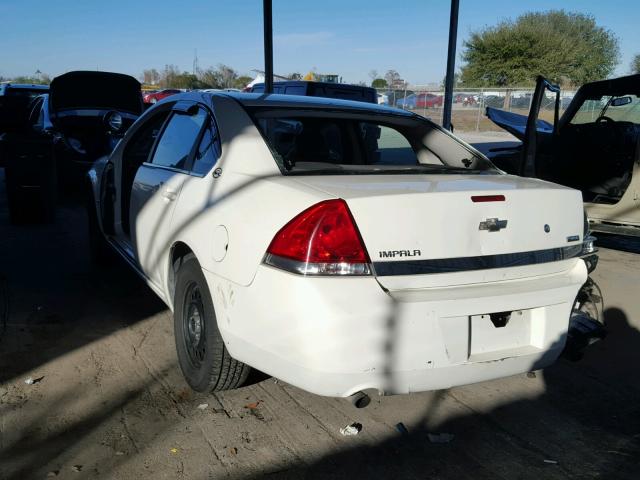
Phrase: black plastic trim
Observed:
(484, 262)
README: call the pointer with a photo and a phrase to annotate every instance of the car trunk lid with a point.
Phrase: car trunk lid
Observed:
(414, 226)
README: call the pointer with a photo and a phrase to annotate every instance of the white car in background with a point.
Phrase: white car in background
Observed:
(338, 246)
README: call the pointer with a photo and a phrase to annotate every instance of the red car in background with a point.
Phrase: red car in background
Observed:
(157, 96)
(428, 100)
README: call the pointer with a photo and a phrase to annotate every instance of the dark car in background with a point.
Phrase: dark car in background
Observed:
(322, 89)
(15, 99)
(63, 133)
(27, 91)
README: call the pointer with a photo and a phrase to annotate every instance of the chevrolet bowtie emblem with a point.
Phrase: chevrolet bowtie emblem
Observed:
(493, 225)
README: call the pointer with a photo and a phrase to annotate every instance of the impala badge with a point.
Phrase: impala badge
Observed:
(493, 225)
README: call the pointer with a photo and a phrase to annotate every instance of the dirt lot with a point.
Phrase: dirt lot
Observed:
(473, 118)
(108, 400)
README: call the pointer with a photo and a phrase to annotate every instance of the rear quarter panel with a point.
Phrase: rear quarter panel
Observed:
(243, 207)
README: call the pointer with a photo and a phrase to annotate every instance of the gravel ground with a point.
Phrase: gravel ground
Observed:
(108, 400)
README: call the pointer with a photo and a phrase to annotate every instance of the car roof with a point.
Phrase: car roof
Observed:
(299, 101)
(27, 86)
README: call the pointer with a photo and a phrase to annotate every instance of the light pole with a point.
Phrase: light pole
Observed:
(451, 65)
(268, 46)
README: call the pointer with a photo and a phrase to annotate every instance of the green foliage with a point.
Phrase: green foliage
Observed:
(565, 47)
(43, 79)
(635, 64)
(242, 81)
(222, 76)
(379, 83)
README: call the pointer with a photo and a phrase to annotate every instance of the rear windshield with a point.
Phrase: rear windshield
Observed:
(314, 142)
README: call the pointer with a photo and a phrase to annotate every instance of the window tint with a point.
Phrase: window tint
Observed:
(307, 140)
(177, 140)
(139, 147)
(353, 143)
(387, 146)
(296, 90)
(208, 150)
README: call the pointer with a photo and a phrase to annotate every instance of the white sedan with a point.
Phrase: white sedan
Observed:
(338, 246)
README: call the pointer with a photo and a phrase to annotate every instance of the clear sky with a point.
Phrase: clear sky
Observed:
(347, 37)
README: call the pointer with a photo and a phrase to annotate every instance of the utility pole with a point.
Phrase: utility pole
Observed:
(195, 61)
(451, 65)
(268, 46)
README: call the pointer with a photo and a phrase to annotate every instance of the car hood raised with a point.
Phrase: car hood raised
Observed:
(95, 90)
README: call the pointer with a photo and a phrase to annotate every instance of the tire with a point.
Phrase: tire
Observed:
(99, 250)
(202, 355)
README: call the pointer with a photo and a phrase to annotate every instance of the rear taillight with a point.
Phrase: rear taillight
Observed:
(322, 240)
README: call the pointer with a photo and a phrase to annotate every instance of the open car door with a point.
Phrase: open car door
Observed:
(537, 135)
(539, 142)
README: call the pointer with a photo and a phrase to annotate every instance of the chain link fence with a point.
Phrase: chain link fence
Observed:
(469, 105)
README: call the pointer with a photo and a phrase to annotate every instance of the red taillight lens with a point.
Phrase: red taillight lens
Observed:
(323, 239)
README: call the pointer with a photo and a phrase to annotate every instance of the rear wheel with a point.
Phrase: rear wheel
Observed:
(203, 357)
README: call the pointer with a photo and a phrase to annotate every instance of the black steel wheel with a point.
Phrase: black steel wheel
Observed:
(202, 355)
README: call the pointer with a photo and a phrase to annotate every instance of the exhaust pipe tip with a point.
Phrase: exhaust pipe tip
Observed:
(360, 399)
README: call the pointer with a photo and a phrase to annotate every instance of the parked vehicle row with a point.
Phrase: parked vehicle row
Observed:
(420, 100)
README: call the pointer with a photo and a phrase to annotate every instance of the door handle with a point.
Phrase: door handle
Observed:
(169, 194)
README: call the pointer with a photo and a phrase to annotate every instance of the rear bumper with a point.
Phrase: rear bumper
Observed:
(336, 336)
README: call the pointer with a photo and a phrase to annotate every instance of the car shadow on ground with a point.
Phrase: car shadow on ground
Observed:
(583, 426)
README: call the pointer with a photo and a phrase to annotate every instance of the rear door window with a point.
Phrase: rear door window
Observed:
(177, 141)
(208, 150)
(296, 90)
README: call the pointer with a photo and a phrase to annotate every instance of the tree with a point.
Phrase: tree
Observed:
(379, 83)
(242, 81)
(222, 76)
(295, 76)
(565, 47)
(635, 64)
(168, 76)
(150, 76)
(209, 77)
(456, 80)
(227, 76)
(41, 79)
(393, 79)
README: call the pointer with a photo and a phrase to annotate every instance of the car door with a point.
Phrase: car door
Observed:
(157, 185)
(537, 145)
(28, 153)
